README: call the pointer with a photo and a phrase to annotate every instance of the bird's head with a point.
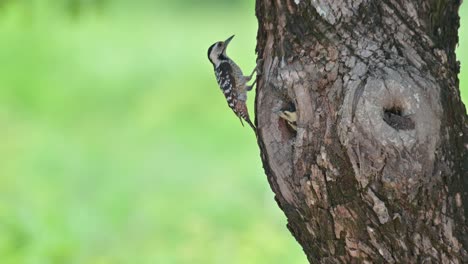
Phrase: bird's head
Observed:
(217, 51)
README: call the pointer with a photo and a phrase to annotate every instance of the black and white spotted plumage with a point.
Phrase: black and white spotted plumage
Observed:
(231, 80)
(227, 82)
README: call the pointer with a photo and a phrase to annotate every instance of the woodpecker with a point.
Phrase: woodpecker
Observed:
(290, 117)
(231, 80)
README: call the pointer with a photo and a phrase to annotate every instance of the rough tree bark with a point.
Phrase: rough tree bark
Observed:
(377, 169)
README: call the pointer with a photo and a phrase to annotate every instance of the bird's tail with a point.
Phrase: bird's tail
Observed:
(244, 114)
(251, 125)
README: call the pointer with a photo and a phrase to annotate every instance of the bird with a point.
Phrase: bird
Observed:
(290, 117)
(231, 80)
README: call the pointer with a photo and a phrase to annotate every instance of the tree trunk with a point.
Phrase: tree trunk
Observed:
(376, 170)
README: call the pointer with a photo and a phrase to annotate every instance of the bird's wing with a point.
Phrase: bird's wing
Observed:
(227, 83)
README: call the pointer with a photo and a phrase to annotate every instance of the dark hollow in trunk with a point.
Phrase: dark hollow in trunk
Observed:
(376, 170)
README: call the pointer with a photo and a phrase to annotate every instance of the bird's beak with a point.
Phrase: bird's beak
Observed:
(226, 42)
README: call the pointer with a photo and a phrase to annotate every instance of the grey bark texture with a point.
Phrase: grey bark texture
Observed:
(377, 169)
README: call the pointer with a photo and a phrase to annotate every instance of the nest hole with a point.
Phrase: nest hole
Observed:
(394, 117)
(286, 124)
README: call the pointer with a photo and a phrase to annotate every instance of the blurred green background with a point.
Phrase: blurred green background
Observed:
(117, 145)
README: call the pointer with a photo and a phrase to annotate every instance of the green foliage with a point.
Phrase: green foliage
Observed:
(462, 52)
(119, 148)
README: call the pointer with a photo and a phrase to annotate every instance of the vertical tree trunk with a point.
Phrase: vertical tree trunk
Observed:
(377, 169)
